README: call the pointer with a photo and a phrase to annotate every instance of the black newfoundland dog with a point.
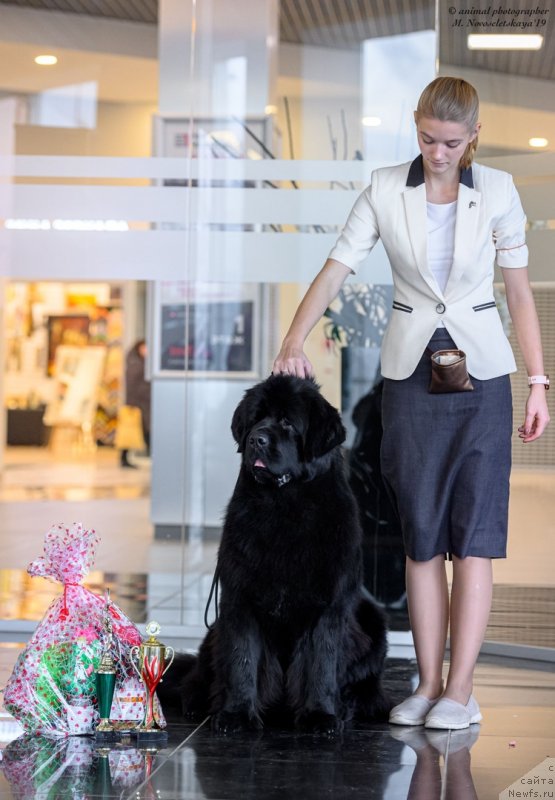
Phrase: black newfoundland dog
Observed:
(296, 637)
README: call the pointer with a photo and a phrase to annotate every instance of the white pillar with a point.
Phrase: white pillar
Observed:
(198, 74)
(228, 68)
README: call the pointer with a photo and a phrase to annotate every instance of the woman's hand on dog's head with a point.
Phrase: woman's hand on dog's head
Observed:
(291, 360)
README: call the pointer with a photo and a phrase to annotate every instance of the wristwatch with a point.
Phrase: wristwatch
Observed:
(539, 379)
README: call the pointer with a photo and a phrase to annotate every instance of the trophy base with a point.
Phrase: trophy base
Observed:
(107, 736)
(150, 736)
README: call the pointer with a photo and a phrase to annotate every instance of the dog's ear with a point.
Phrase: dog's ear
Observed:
(243, 419)
(325, 429)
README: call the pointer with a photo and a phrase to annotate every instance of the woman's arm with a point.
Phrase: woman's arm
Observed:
(527, 327)
(323, 289)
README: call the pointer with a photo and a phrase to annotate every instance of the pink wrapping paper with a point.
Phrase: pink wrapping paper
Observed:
(52, 687)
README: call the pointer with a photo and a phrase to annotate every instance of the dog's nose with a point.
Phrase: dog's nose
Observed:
(259, 439)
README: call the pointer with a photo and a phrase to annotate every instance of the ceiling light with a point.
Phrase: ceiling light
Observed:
(270, 109)
(371, 122)
(504, 41)
(538, 141)
(46, 60)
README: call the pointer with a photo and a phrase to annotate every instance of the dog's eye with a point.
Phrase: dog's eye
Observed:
(286, 425)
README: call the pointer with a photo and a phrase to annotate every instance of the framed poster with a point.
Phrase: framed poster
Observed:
(78, 372)
(65, 329)
(209, 329)
(205, 330)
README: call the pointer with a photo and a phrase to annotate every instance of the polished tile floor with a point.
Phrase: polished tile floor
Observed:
(365, 761)
(170, 581)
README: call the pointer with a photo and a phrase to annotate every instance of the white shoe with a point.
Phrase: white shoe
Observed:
(448, 714)
(412, 711)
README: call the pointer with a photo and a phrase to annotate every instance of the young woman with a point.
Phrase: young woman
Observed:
(444, 221)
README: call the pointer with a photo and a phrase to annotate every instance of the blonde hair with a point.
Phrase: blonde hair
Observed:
(452, 100)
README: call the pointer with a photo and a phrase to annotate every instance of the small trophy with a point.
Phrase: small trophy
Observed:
(151, 656)
(106, 682)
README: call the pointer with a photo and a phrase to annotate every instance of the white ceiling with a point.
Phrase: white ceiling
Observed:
(119, 78)
(345, 23)
(86, 48)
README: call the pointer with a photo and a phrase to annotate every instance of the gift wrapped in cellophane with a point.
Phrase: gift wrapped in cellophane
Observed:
(52, 688)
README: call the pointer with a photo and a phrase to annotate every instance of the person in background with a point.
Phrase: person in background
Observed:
(137, 392)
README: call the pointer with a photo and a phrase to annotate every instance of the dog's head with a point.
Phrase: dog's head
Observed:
(283, 426)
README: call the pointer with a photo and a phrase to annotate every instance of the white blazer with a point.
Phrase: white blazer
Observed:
(489, 229)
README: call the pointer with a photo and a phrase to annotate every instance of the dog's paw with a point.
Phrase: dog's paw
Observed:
(319, 722)
(234, 721)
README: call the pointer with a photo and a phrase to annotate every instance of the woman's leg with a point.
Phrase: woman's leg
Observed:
(471, 594)
(428, 602)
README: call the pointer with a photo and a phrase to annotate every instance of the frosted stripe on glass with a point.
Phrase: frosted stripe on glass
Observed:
(218, 255)
(178, 205)
(164, 255)
(157, 254)
(182, 168)
(533, 164)
(208, 205)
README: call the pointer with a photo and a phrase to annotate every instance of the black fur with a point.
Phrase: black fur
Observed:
(295, 636)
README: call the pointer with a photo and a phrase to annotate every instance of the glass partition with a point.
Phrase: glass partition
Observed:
(517, 111)
(194, 214)
(77, 98)
(282, 135)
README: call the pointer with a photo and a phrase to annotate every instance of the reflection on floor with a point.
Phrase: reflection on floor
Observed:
(366, 761)
(36, 473)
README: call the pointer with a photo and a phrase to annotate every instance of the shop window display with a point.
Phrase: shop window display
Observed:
(52, 328)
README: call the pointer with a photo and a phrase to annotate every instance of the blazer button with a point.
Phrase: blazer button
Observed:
(440, 308)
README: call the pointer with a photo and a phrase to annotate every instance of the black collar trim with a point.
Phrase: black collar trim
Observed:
(416, 174)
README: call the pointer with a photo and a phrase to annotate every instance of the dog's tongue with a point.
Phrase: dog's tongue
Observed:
(259, 463)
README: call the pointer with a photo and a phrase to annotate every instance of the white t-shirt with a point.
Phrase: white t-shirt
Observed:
(441, 240)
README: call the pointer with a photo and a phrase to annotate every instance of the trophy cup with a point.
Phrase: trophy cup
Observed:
(149, 661)
(106, 683)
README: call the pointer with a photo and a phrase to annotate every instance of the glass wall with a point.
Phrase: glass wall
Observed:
(285, 122)
(517, 110)
(184, 182)
(77, 97)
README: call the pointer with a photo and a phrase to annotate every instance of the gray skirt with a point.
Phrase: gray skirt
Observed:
(446, 461)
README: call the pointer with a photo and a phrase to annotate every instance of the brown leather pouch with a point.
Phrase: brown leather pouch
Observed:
(449, 372)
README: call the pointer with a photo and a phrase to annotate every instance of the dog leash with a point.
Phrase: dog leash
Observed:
(282, 480)
(214, 593)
